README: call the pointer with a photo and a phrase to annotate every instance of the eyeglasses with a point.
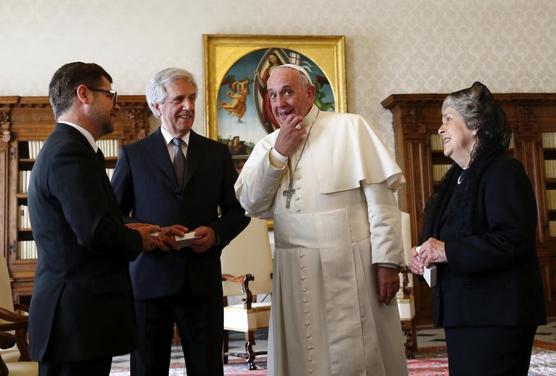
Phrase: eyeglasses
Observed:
(112, 93)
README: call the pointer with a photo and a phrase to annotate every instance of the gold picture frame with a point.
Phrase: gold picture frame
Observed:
(235, 67)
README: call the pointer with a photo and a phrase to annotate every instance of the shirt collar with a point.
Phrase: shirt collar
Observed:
(84, 132)
(168, 137)
(311, 116)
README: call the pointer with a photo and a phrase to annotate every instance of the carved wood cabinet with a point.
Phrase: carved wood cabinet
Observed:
(532, 117)
(24, 123)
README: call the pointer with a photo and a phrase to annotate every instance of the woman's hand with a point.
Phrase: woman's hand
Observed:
(415, 264)
(432, 252)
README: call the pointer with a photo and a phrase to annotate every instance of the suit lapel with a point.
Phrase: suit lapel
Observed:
(194, 153)
(98, 156)
(156, 146)
(79, 137)
(74, 133)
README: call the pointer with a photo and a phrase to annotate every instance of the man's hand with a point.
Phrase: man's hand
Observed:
(138, 225)
(290, 135)
(387, 283)
(168, 234)
(150, 242)
(206, 238)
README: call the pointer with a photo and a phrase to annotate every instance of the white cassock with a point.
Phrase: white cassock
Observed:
(343, 217)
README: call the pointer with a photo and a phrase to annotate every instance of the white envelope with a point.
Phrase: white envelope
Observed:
(430, 275)
(185, 240)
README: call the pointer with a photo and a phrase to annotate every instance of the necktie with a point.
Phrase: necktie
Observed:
(179, 160)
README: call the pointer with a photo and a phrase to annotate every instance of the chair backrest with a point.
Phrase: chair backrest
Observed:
(249, 253)
(406, 236)
(406, 305)
(6, 298)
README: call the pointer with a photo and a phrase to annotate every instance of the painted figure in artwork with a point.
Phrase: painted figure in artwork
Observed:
(238, 96)
(236, 146)
(267, 118)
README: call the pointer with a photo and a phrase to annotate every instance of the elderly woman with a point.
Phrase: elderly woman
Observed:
(479, 228)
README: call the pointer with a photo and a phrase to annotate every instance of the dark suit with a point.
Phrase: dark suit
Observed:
(82, 305)
(146, 186)
(491, 286)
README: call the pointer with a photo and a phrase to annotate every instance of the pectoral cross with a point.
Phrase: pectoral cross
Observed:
(288, 193)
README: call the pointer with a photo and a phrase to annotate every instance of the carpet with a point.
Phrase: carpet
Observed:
(235, 367)
(430, 361)
(434, 362)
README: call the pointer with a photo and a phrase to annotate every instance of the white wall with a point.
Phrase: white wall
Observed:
(393, 46)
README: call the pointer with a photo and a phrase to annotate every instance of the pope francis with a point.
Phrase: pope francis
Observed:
(328, 182)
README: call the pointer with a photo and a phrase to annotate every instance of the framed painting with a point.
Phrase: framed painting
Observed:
(237, 109)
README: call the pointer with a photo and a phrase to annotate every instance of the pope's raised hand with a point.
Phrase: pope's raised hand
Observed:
(290, 136)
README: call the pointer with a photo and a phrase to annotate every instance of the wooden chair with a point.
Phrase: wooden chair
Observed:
(14, 347)
(247, 272)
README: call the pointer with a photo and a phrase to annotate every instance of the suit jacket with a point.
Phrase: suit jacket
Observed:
(146, 188)
(82, 305)
(492, 276)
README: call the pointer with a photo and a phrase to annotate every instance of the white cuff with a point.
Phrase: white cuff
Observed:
(277, 160)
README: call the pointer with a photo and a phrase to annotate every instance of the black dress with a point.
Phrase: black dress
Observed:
(489, 295)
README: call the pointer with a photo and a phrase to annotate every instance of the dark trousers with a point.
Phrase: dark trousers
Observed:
(91, 367)
(489, 351)
(200, 321)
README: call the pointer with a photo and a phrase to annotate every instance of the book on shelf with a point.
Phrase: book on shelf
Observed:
(439, 170)
(436, 142)
(552, 228)
(24, 221)
(550, 168)
(24, 177)
(26, 250)
(34, 148)
(109, 148)
(551, 199)
(549, 140)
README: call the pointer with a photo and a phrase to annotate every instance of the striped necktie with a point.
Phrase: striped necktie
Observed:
(179, 160)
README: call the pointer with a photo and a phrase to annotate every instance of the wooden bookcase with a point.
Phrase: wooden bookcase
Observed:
(532, 116)
(24, 123)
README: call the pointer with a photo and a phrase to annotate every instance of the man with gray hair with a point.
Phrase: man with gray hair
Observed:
(175, 176)
(328, 182)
